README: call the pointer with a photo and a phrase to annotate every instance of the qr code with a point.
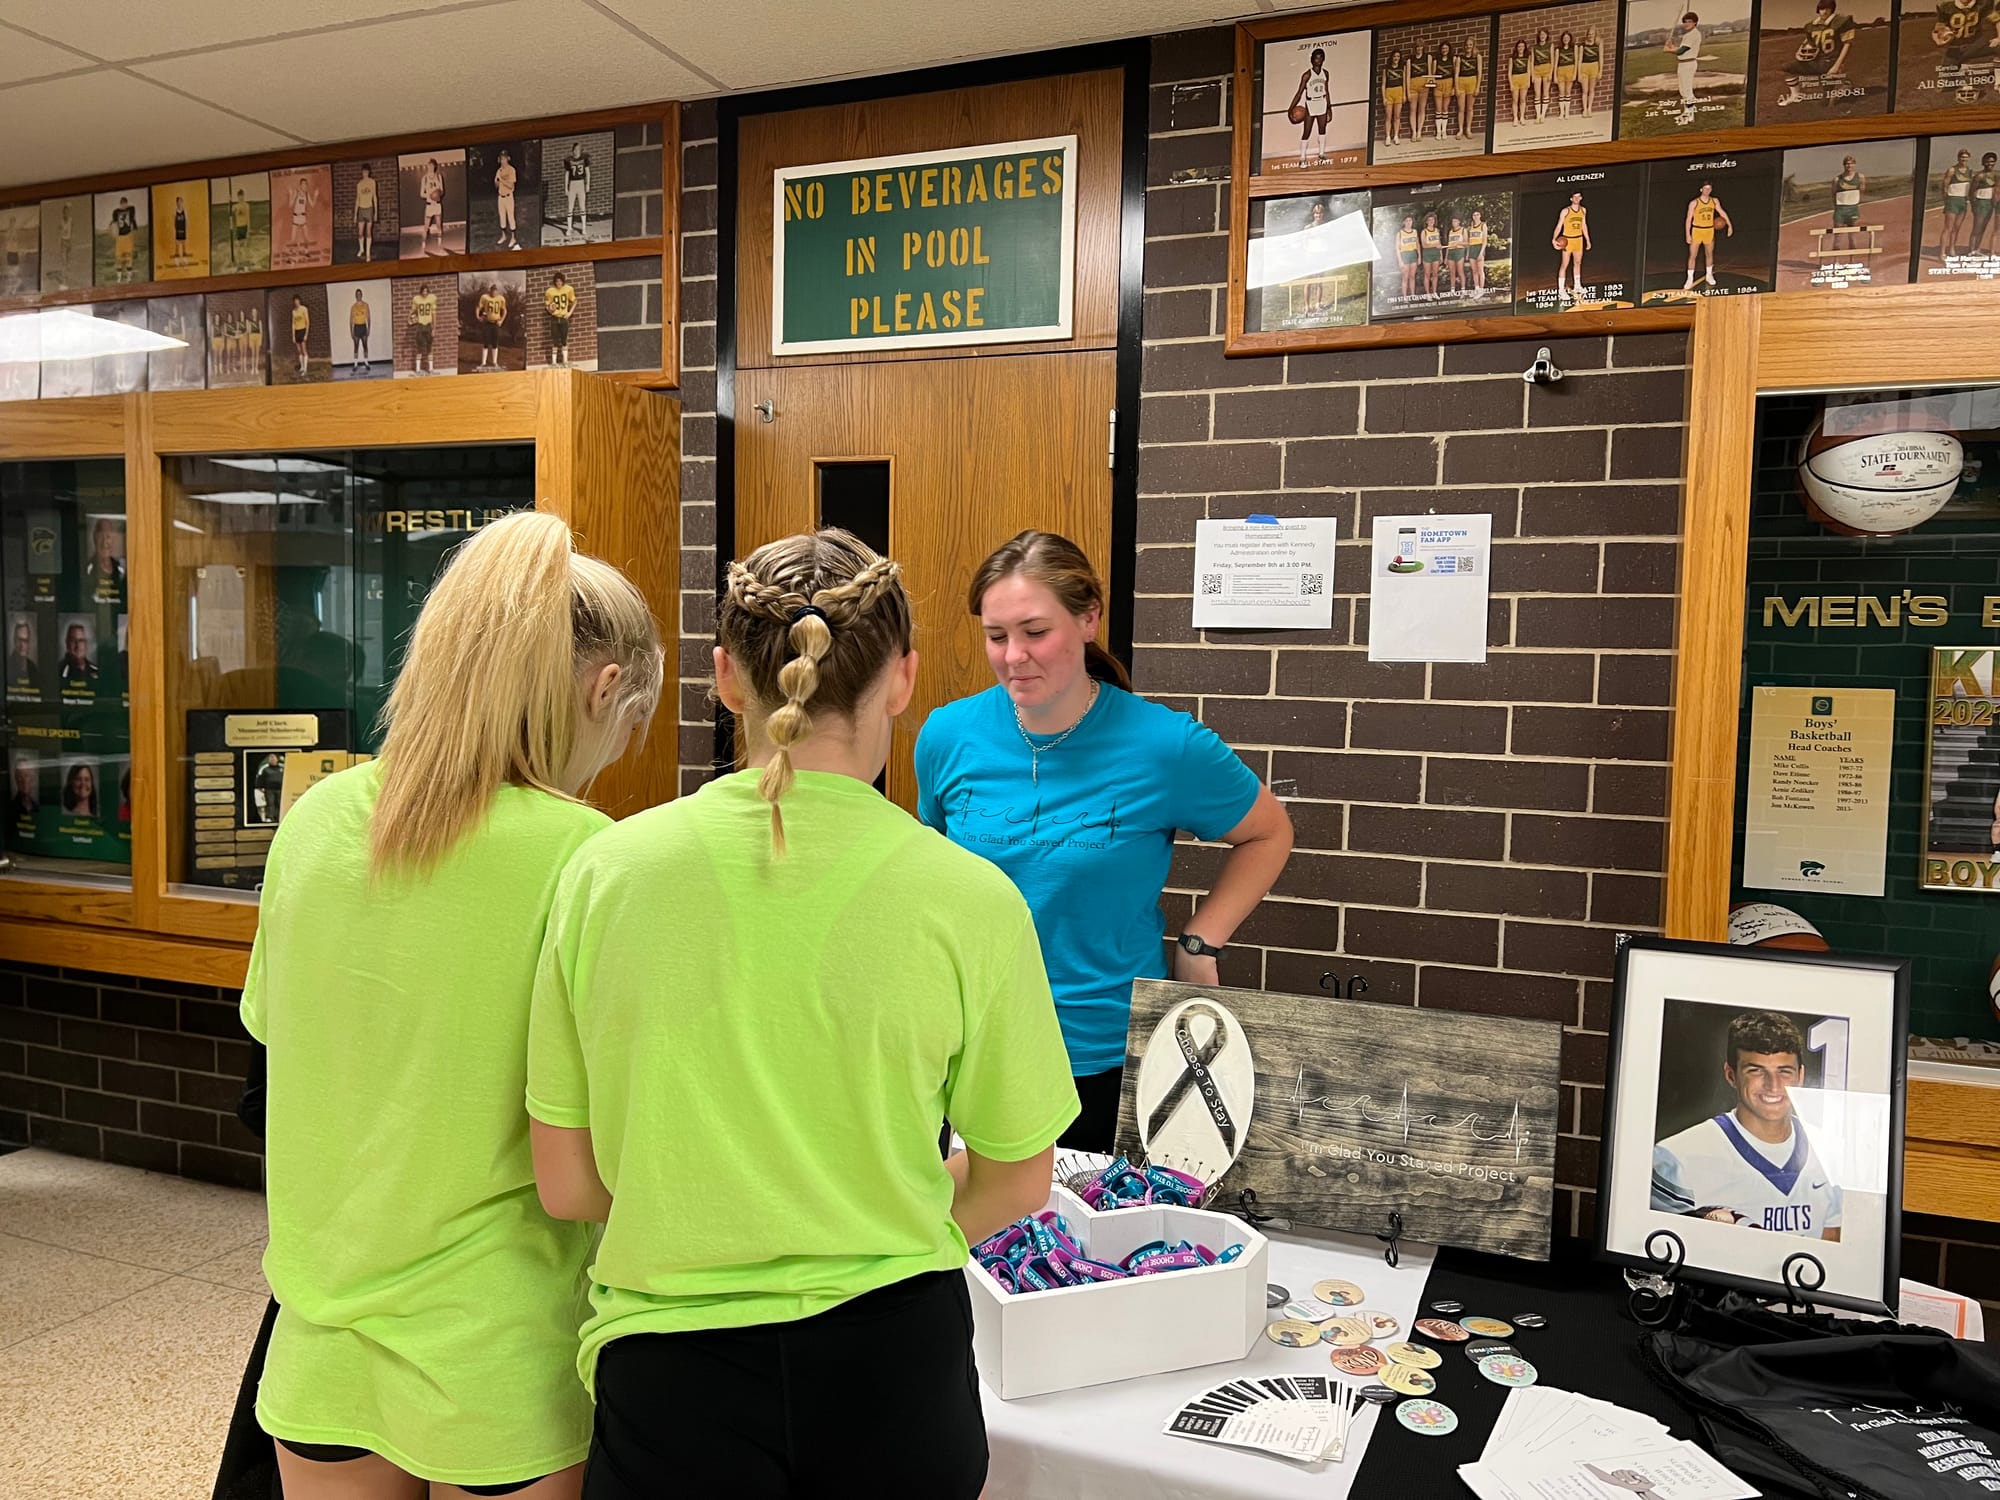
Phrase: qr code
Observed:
(1467, 564)
(1211, 583)
(1313, 583)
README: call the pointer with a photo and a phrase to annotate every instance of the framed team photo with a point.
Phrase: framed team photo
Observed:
(1754, 1110)
(1711, 227)
(1686, 67)
(366, 211)
(1443, 249)
(301, 347)
(424, 320)
(1844, 215)
(1434, 89)
(362, 345)
(579, 176)
(121, 244)
(185, 368)
(302, 226)
(1822, 59)
(504, 187)
(1577, 241)
(66, 244)
(120, 374)
(1555, 76)
(20, 250)
(239, 223)
(562, 317)
(1313, 108)
(1961, 177)
(236, 343)
(492, 321)
(1947, 53)
(431, 202)
(1308, 262)
(181, 249)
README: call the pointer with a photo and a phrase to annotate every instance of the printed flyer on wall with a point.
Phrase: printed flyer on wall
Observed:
(1428, 587)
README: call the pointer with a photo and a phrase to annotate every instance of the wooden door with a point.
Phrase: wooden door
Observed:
(977, 449)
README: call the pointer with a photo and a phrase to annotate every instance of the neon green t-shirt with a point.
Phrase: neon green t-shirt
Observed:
(763, 1050)
(428, 1305)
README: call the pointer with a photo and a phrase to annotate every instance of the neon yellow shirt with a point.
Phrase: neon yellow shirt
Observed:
(785, 1046)
(429, 1305)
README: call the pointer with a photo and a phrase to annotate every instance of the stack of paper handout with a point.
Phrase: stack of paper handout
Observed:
(1558, 1445)
(1300, 1417)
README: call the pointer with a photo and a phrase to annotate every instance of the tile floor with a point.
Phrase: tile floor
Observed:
(128, 1303)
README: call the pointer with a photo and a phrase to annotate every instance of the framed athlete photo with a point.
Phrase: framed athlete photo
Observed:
(1711, 227)
(121, 248)
(1753, 1118)
(1446, 95)
(361, 343)
(1844, 216)
(1314, 110)
(425, 320)
(20, 250)
(1684, 69)
(302, 227)
(1308, 263)
(120, 374)
(492, 321)
(504, 188)
(579, 177)
(1961, 175)
(185, 368)
(1822, 59)
(1947, 53)
(1443, 249)
(1962, 818)
(300, 347)
(1555, 76)
(366, 211)
(430, 196)
(239, 223)
(66, 244)
(235, 330)
(1577, 239)
(562, 317)
(181, 248)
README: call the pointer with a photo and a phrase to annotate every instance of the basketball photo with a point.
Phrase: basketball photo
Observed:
(1947, 54)
(1822, 59)
(180, 211)
(1961, 176)
(121, 237)
(423, 322)
(66, 243)
(1844, 215)
(185, 368)
(562, 317)
(1683, 69)
(1443, 250)
(120, 374)
(1444, 70)
(302, 234)
(362, 344)
(239, 223)
(236, 342)
(1555, 76)
(366, 211)
(1313, 97)
(1578, 239)
(1711, 227)
(579, 177)
(492, 321)
(301, 345)
(20, 250)
(431, 201)
(504, 186)
(1308, 262)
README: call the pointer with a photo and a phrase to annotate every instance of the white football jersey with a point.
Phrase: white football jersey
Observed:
(1717, 1164)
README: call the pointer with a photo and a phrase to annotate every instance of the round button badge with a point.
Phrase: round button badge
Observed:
(1507, 1369)
(1431, 1418)
(1442, 1329)
(1337, 1293)
(1487, 1328)
(1408, 1379)
(1292, 1333)
(1362, 1361)
(1414, 1355)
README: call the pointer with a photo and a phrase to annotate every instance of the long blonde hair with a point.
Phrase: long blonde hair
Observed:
(812, 620)
(487, 695)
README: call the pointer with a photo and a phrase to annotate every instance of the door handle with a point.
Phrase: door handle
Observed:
(1111, 440)
(766, 410)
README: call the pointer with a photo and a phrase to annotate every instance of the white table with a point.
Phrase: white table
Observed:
(1104, 1442)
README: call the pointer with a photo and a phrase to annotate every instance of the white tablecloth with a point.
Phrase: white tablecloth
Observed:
(1104, 1442)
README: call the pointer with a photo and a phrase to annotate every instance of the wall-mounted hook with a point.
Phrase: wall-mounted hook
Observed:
(1332, 988)
(1356, 985)
(1544, 371)
(769, 412)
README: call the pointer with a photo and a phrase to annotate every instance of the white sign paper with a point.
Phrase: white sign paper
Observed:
(1263, 575)
(1428, 584)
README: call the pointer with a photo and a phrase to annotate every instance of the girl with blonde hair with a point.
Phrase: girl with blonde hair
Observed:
(427, 1305)
(756, 1007)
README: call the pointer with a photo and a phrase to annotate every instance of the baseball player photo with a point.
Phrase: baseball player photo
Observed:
(504, 184)
(1684, 70)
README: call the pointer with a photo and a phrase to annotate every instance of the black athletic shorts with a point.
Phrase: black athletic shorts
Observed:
(879, 1392)
(334, 1453)
(489, 335)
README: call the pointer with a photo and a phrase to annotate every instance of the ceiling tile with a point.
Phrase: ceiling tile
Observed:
(75, 127)
(432, 72)
(22, 56)
(120, 29)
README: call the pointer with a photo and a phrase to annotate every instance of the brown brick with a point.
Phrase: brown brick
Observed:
(67, 1136)
(1630, 349)
(1597, 624)
(1317, 825)
(1559, 948)
(101, 1040)
(1597, 997)
(1173, 419)
(1164, 570)
(176, 1123)
(138, 1079)
(1197, 260)
(1576, 1160)
(210, 1019)
(1163, 622)
(1289, 505)
(93, 1108)
(1641, 568)
(1299, 974)
(1409, 362)
(1465, 729)
(1610, 400)
(1344, 777)
(232, 1059)
(210, 1091)
(1277, 721)
(1170, 669)
(1588, 843)
(1630, 902)
(231, 1168)
(1201, 366)
(61, 997)
(1503, 505)
(1511, 358)
(1420, 935)
(1516, 677)
(1346, 674)
(1601, 510)
(1320, 411)
(1589, 1110)
(1551, 786)
(1360, 462)
(1480, 458)
(13, 1127)
(1599, 733)
(1431, 832)
(1629, 791)
(1183, 209)
(60, 1067)
(1545, 568)
(1302, 925)
(1646, 453)
(1179, 315)
(172, 1050)
(1486, 992)
(1170, 518)
(1184, 106)
(1206, 53)
(141, 1151)
(1506, 890)
(13, 1058)
(1345, 877)
(130, 1008)
(31, 1096)
(1195, 866)
(1636, 678)
(1583, 1055)
(1431, 406)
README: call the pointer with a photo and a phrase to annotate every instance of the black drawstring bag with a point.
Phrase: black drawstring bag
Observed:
(249, 1467)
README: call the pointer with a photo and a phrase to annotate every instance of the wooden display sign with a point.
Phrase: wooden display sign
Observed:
(1339, 1113)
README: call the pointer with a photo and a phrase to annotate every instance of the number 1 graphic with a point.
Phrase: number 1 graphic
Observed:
(1829, 1039)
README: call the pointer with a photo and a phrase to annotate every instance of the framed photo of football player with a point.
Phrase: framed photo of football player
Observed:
(1445, 72)
(1555, 76)
(562, 317)
(239, 223)
(430, 195)
(1753, 1118)
(20, 250)
(1314, 94)
(123, 251)
(1844, 215)
(1684, 69)
(578, 178)
(1947, 53)
(492, 321)
(1711, 227)
(1961, 187)
(1822, 59)
(1578, 244)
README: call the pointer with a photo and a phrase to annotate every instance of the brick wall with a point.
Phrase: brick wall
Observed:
(699, 199)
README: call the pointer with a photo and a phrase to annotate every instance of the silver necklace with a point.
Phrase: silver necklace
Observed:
(1035, 751)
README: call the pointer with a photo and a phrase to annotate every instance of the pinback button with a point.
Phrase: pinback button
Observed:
(1275, 1295)
(1431, 1418)
(1530, 1320)
(1361, 1361)
(1415, 1355)
(1409, 1380)
(1376, 1395)
(1442, 1329)
(1487, 1328)
(1338, 1293)
(1448, 1308)
(1381, 1325)
(1292, 1333)
(1507, 1369)
(1346, 1332)
(1478, 1349)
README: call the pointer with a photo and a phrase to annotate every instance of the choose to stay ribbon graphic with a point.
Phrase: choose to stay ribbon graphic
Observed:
(1196, 1078)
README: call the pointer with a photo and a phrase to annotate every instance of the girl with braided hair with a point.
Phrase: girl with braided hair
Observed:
(756, 1007)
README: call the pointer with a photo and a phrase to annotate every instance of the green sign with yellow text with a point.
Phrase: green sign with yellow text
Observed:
(970, 246)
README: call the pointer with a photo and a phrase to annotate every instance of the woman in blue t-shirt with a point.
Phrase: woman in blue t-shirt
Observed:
(1074, 786)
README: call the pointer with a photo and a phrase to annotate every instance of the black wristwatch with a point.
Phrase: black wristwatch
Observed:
(1192, 944)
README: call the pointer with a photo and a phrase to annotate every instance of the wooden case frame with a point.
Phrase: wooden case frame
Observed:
(607, 460)
(1743, 348)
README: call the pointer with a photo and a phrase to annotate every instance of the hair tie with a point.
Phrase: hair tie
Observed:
(811, 609)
